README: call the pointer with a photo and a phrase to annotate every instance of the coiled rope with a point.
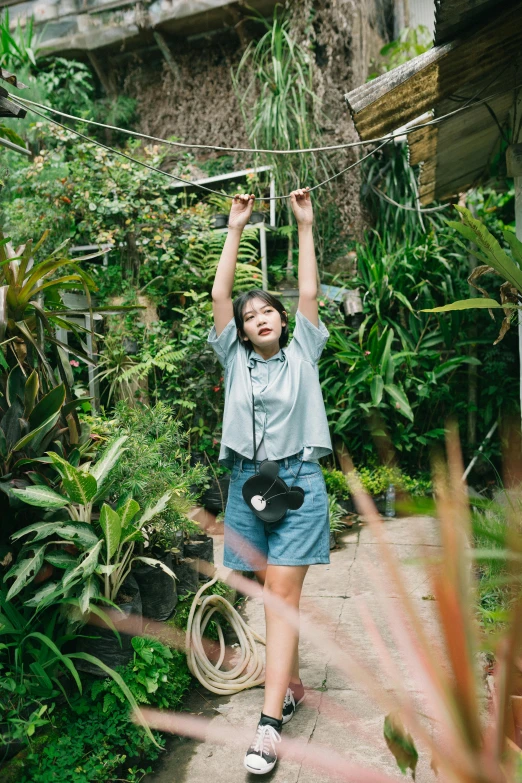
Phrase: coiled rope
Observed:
(247, 673)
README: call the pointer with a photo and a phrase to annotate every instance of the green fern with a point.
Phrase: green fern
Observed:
(204, 254)
(166, 359)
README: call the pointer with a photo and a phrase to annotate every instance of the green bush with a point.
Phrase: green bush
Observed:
(336, 484)
(93, 740)
(156, 462)
(336, 513)
(90, 746)
(490, 529)
(376, 480)
(156, 676)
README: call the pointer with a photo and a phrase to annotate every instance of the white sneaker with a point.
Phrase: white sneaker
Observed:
(261, 757)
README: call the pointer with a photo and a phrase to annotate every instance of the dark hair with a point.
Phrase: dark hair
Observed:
(256, 293)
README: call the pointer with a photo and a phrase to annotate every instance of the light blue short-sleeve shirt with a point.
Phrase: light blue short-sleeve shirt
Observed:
(288, 401)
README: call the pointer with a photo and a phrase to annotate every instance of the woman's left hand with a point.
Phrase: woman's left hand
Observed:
(302, 206)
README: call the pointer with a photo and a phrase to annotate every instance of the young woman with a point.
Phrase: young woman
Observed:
(250, 338)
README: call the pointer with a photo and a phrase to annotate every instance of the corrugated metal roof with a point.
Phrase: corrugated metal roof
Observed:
(401, 95)
(481, 63)
(454, 18)
(456, 154)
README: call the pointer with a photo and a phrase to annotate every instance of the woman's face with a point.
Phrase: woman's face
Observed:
(262, 324)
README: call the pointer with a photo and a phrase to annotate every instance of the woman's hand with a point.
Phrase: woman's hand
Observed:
(302, 206)
(241, 210)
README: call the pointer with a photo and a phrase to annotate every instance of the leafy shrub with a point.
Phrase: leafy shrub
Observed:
(157, 461)
(103, 543)
(336, 513)
(91, 746)
(375, 481)
(70, 83)
(20, 49)
(336, 484)
(93, 739)
(156, 675)
(490, 528)
(411, 42)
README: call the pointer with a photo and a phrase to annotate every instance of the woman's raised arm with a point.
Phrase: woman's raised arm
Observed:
(224, 280)
(307, 269)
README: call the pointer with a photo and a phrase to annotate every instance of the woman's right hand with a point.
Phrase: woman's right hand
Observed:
(241, 210)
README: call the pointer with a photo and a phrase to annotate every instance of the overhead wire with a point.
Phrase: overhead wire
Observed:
(382, 141)
(197, 184)
(347, 145)
(423, 210)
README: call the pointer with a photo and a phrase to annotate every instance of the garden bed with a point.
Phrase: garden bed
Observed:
(90, 737)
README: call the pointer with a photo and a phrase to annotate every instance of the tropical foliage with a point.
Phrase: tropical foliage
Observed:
(105, 551)
(76, 517)
(495, 260)
(286, 112)
(19, 49)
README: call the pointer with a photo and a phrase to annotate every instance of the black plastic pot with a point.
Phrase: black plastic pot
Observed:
(219, 221)
(130, 346)
(380, 502)
(257, 217)
(215, 497)
(188, 577)
(347, 505)
(157, 589)
(201, 548)
(104, 643)
(333, 540)
(11, 748)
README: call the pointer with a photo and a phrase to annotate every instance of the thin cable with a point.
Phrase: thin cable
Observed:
(196, 184)
(348, 145)
(353, 165)
(404, 206)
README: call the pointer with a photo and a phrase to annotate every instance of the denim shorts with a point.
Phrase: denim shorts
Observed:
(302, 537)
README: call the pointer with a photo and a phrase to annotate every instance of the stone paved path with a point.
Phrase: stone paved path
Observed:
(357, 729)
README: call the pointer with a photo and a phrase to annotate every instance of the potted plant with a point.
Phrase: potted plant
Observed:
(221, 205)
(157, 462)
(215, 497)
(219, 220)
(257, 217)
(337, 486)
(336, 513)
(99, 572)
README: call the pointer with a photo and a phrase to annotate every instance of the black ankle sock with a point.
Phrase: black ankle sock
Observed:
(267, 720)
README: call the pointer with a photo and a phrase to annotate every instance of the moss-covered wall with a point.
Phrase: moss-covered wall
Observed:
(198, 103)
